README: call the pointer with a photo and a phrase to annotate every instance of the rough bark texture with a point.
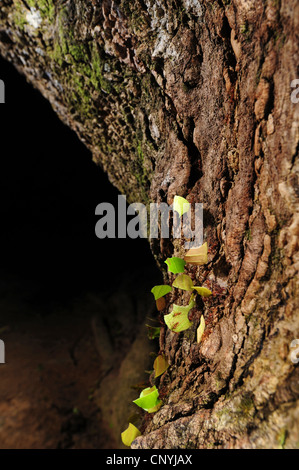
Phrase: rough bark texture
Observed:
(191, 98)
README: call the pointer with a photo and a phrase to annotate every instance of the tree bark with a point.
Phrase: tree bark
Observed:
(194, 98)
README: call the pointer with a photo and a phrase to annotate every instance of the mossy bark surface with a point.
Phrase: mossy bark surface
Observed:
(194, 98)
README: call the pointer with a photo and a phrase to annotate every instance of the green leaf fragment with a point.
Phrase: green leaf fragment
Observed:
(177, 324)
(148, 399)
(175, 265)
(153, 331)
(160, 291)
(201, 329)
(155, 408)
(178, 320)
(181, 205)
(183, 281)
(130, 434)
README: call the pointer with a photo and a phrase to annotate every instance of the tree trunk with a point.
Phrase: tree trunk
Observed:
(194, 99)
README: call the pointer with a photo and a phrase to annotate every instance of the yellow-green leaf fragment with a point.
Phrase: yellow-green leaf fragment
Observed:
(197, 256)
(183, 281)
(129, 435)
(175, 265)
(148, 399)
(203, 291)
(181, 205)
(201, 329)
(160, 291)
(178, 320)
(160, 365)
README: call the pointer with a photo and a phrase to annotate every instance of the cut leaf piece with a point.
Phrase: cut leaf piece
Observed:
(197, 256)
(130, 434)
(160, 365)
(160, 291)
(201, 329)
(160, 304)
(175, 265)
(155, 408)
(203, 291)
(181, 205)
(153, 331)
(178, 320)
(148, 398)
(183, 281)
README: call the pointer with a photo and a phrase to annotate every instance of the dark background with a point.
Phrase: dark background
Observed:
(49, 189)
(71, 304)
